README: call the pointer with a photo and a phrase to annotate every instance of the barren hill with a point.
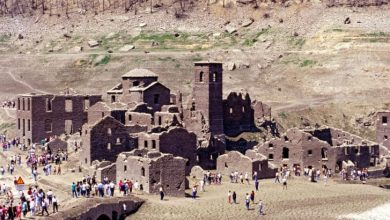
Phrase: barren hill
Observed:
(311, 63)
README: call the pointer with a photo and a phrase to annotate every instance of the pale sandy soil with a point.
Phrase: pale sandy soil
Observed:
(302, 200)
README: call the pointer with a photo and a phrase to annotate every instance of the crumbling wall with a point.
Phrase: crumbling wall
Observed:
(238, 115)
(57, 145)
(152, 170)
(104, 140)
(383, 129)
(41, 116)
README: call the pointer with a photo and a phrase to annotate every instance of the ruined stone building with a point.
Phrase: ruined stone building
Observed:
(322, 147)
(251, 162)
(40, 116)
(153, 169)
(104, 140)
(240, 113)
(383, 128)
(177, 141)
(141, 85)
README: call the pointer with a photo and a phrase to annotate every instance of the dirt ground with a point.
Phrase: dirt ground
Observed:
(302, 200)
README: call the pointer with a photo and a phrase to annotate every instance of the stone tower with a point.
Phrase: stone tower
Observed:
(207, 94)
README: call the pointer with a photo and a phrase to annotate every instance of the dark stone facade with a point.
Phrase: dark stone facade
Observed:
(323, 147)
(383, 128)
(41, 116)
(104, 140)
(153, 170)
(177, 141)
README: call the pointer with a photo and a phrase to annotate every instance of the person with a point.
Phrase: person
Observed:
(194, 192)
(257, 185)
(241, 178)
(229, 197)
(202, 185)
(261, 208)
(252, 197)
(247, 177)
(50, 196)
(74, 194)
(247, 200)
(161, 193)
(112, 188)
(325, 179)
(24, 208)
(234, 197)
(277, 177)
(44, 207)
(284, 181)
(55, 204)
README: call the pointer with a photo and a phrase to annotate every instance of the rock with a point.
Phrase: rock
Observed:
(142, 25)
(76, 49)
(67, 35)
(126, 48)
(243, 65)
(296, 34)
(281, 20)
(93, 43)
(230, 29)
(259, 66)
(57, 48)
(217, 34)
(110, 51)
(231, 66)
(367, 124)
(247, 22)
(347, 20)
(110, 35)
(20, 36)
(176, 34)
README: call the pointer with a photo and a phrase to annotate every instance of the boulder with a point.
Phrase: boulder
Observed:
(67, 35)
(247, 22)
(230, 29)
(142, 25)
(217, 34)
(126, 48)
(231, 66)
(76, 49)
(93, 43)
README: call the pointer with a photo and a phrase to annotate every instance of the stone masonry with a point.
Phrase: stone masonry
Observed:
(153, 169)
(41, 116)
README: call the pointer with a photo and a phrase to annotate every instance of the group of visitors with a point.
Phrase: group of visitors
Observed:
(8, 104)
(354, 174)
(34, 202)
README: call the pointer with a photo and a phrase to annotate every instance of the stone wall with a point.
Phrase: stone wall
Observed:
(383, 129)
(153, 169)
(177, 141)
(41, 116)
(249, 163)
(93, 208)
(238, 115)
(57, 145)
(104, 140)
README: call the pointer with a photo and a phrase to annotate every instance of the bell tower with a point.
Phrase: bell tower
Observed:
(207, 94)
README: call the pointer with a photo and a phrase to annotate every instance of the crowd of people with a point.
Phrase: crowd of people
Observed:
(33, 203)
(8, 104)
